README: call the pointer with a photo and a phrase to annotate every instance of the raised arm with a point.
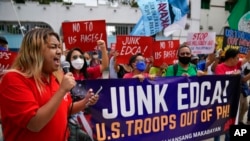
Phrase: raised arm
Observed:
(105, 59)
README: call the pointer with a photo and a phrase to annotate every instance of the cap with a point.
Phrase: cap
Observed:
(3, 39)
(194, 57)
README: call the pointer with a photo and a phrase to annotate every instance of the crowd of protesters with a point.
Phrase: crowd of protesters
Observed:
(217, 63)
(88, 65)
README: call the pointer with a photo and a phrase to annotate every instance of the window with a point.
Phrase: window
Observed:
(119, 29)
(205, 4)
(229, 5)
(1, 27)
(15, 28)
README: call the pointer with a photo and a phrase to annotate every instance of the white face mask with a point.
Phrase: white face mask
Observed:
(95, 56)
(78, 63)
(88, 62)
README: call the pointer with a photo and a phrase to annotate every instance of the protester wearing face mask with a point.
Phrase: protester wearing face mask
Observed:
(77, 64)
(184, 66)
(95, 61)
(79, 67)
(138, 64)
(81, 71)
(87, 57)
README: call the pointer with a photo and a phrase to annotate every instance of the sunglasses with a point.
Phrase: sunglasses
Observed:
(77, 56)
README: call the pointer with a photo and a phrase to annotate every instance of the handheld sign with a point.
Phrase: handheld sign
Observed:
(237, 40)
(131, 45)
(165, 52)
(202, 42)
(6, 60)
(84, 34)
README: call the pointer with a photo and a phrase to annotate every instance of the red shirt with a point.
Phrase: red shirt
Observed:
(93, 72)
(222, 68)
(19, 102)
(131, 74)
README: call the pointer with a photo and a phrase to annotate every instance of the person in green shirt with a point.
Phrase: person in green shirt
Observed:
(184, 67)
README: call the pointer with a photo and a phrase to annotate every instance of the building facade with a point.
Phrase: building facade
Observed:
(120, 17)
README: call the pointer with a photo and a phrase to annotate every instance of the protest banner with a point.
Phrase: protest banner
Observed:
(165, 109)
(158, 15)
(6, 60)
(201, 43)
(84, 34)
(131, 45)
(236, 39)
(165, 52)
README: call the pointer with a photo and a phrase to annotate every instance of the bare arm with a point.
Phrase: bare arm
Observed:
(215, 63)
(105, 59)
(209, 60)
(149, 64)
(47, 111)
(116, 65)
(90, 99)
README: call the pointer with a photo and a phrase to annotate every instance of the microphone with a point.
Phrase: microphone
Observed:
(65, 66)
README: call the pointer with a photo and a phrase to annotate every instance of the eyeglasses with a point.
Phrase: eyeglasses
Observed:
(77, 56)
(185, 53)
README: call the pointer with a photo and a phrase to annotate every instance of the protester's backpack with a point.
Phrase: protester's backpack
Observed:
(175, 67)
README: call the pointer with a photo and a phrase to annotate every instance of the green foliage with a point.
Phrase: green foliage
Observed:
(134, 4)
